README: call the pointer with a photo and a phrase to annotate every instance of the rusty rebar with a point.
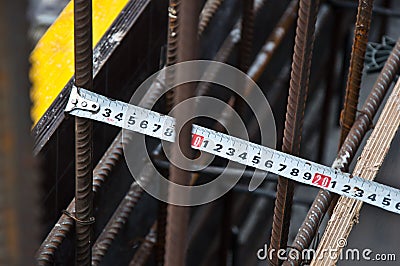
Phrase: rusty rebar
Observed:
(274, 40)
(19, 184)
(46, 252)
(348, 149)
(207, 13)
(244, 61)
(173, 28)
(172, 48)
(247, 32)
(144, 251)
(298, 90)
(120, 217)
(83, 132)
(360, 40)
(178, 216)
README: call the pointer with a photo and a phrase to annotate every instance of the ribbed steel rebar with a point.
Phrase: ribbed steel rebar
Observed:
(346, 153)
(360, 40)
(178, 216)
(83, 132)
(298, 90)
(19, 184)
(143, 253)
(119, 218)
(172, 47)
(384, 20)
(207, 13)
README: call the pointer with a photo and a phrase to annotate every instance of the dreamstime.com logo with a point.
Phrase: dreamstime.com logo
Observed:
(200, 71)
(349, 254)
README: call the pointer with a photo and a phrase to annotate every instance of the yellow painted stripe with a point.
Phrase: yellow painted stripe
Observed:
(53, 57)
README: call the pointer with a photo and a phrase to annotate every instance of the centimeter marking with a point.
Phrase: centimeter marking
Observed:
(86, 104)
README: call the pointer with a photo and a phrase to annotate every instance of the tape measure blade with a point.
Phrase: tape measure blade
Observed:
(160, 126)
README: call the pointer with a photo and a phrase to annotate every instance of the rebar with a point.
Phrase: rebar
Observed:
(19, 184)
(227, 47)
(143, 253)
(172, 50)
(339, 20)
(349, 147)
(83, 132)
(178, 216)
(384, 20)
(360, 40)
(120, 217)
(207, 13)
(298, 90)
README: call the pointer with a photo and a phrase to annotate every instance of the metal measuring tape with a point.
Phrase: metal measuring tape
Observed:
(86, 104)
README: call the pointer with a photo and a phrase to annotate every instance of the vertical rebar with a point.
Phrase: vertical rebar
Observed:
(360, 40)
(298, 90)
(244, 61)
(83, 132)
(178, 216)
(19, 195)
(207, 13)
(172, 46)
(346, 153)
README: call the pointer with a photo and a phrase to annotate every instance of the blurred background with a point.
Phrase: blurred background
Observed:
(132, 39)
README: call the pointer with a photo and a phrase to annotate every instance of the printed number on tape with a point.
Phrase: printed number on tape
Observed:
(93, 106)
